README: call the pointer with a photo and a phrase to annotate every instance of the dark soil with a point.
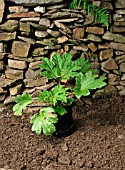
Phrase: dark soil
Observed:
(98, 142)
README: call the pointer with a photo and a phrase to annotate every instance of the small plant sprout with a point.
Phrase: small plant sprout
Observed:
(73, 79)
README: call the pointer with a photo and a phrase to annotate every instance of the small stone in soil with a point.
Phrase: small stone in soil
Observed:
(65, 147)
(64, 160)
(90, 164)
(121, 136)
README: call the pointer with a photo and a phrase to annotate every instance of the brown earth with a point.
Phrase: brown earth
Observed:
(97, 144)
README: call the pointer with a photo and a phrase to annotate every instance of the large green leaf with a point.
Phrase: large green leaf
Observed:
(48, 67)
(86, 82)
(22, 101)
(45, 96)
(57, 94)
(62, 68)
(44, 121)
(83, 64)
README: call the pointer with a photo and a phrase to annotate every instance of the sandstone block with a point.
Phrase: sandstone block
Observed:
(44, 22)
(62, 27)
(120, 4)
(108, 36)
(70, 19)
(47, 41)
(32, 74)
(13, 74)
(10, 26)
(35, 65)
(62, 39)
(24, 15)
(93, 37)
(17, 9)
(25, 27)
(64, 14)
(103, 46)
(95, 30)
(2, 6)
(15, 90)
(4, 36)
(54, 34)
(117, 29)
(105, 54)
(117, 46)
(122, 67)
(110, 64)
(39, 52)
(78, 33)
(35, 83)
(118, 24)
(113, 79)
(80, 48)
(17, 64)
(33, 19)
(37, 26)
(28, 40)
(1, 47)
(120, 11)
(118, 17)
(92, 47)
(6, 82)
(20, 49)
(41, 34)
(89, 20)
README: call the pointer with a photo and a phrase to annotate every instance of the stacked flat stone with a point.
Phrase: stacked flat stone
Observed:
(31, 30)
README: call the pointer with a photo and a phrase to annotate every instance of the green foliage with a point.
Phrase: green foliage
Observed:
(63, 68)
(79, 80)
(83, 65)
(44, 121)
(22, 101)
(86, 82)
(100, 14)
(60, 110)
(57, 94)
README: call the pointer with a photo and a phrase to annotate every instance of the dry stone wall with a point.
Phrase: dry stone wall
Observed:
(30, 30)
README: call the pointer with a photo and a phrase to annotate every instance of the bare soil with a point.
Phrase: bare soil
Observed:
(98, 142)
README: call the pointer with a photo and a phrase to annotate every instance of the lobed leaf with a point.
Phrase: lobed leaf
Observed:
(61, 68)
(84, 65)
(44, 121)
(22, 101)
(57, 94)
(84, 83)
(48, 66)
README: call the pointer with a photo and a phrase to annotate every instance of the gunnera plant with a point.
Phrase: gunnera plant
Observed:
(73, 79)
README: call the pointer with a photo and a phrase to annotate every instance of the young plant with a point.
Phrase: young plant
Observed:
(73, 79)
(100, 14)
